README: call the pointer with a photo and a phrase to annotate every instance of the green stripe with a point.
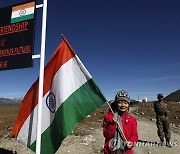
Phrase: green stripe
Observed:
(80, 104)
(22, 18)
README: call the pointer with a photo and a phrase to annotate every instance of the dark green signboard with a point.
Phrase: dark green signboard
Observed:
(17, 27)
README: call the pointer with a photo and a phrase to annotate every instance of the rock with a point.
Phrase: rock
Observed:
(173, 125)
(152, 119)
(175, 117)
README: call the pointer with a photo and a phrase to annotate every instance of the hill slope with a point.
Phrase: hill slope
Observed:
(173, 97)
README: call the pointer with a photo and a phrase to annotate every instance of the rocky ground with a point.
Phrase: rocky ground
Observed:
(87, 137)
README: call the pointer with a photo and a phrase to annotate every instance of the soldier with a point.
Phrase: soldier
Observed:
(161, 110)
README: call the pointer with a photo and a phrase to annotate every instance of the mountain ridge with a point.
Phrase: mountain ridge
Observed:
(173, 97)
(10, 102)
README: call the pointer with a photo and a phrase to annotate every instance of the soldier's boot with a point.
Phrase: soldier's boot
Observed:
(161, 143)
(168, 144)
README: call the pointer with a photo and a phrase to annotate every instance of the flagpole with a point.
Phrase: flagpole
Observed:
(41, 77)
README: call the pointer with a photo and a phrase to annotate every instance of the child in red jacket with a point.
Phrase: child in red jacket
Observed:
(119, 127)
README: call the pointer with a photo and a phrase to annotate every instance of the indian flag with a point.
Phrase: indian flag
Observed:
(23, 12)
(70, 94)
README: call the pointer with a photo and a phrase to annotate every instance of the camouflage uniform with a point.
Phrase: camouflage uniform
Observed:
(162, 122)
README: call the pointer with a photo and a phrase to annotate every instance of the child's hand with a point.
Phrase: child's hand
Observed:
(115, 119)
(129, 144)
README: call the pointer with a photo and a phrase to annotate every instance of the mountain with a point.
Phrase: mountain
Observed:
(173, 97)
(10, 102)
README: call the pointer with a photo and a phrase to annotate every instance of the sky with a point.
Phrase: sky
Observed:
(132, 45)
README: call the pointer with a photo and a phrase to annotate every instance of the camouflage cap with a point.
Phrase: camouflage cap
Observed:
(160, 95)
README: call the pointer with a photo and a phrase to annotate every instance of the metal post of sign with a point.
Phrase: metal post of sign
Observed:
(41, 78)
(36, 56)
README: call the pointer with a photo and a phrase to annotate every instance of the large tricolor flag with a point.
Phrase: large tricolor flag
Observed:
(23, 12)
(70, 94)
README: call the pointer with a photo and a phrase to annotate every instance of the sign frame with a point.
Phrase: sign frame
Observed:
(17, 35)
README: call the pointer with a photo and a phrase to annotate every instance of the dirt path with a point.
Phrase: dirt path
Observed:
(147, 132)
(92, 141)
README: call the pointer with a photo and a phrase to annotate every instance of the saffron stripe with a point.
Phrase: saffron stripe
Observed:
(23, 6)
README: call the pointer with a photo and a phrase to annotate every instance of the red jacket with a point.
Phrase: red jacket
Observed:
(129, 124)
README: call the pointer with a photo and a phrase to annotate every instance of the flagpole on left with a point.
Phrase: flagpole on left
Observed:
(41, 77)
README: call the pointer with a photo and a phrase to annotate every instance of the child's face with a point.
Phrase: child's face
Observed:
(122, 105)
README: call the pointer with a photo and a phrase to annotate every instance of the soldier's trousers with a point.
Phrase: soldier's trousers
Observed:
(163, 127)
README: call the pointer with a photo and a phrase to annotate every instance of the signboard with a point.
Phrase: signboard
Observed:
(17, 27)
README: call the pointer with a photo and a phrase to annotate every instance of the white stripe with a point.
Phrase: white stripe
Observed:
(69, 78)
(16, 14)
